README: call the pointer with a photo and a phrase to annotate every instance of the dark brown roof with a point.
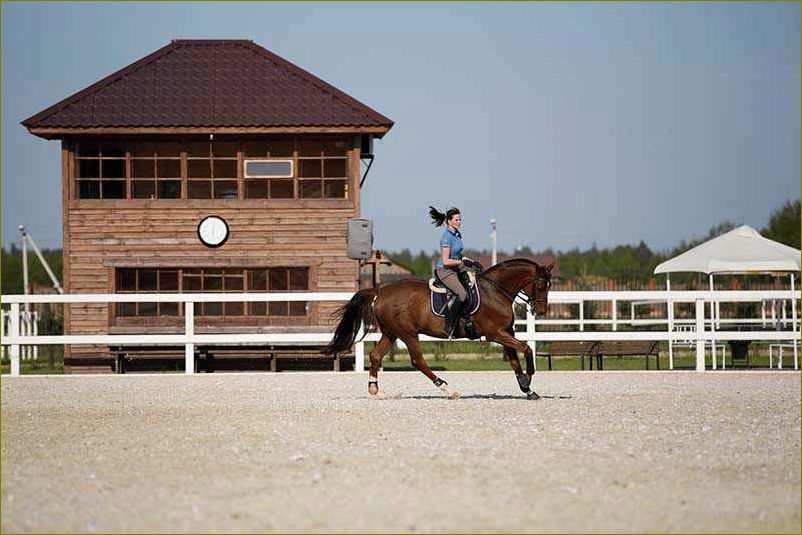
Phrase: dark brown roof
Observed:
(209, 83)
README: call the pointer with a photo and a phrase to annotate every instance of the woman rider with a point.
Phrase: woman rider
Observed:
(451, 268)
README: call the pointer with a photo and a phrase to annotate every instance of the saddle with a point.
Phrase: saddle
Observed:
(441, 296)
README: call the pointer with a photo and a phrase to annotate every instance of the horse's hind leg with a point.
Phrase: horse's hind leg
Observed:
(416, 355)
(382, 347)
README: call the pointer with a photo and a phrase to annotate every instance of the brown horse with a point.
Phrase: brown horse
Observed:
(401, 310)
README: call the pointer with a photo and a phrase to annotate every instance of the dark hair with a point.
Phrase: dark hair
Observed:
(438, 218)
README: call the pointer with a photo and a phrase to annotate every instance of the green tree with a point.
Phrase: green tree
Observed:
(784, 225)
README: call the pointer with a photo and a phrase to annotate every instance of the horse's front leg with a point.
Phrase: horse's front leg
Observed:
(511, 347)
(416, 356)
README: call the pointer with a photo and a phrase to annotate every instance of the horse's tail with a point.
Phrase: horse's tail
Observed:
(350, 316)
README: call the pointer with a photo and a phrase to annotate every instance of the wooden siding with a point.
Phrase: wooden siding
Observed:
(101, 235)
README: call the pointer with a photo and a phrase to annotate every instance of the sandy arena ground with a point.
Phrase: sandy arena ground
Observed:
(630, 451)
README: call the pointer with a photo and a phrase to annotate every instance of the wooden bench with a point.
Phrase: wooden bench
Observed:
(628, 348)
(571, 349)
(211, 357)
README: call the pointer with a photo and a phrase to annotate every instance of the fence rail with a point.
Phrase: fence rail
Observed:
(704, 330)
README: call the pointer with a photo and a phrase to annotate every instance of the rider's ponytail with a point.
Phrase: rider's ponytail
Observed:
(438, 218)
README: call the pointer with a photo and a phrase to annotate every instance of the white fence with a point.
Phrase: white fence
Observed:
(700, 331)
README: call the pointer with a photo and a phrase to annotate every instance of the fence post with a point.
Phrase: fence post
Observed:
(582, 315)
(189, 329)
(615, 315)
(359, 353)
(14, 332)
(35, 325)
(700, 333)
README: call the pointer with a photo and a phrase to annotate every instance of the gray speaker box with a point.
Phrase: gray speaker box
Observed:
(360, 239)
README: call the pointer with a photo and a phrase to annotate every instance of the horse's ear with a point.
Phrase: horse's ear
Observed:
(550, 266)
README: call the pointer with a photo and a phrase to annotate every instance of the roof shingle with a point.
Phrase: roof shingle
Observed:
(209, 83)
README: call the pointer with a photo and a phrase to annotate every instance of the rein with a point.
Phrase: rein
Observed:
(509, 295)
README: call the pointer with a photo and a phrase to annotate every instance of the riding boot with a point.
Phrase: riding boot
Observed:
(452, 316)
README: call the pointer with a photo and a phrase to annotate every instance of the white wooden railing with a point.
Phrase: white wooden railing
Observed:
(705, 332)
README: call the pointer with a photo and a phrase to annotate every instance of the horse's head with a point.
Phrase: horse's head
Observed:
(539, 294)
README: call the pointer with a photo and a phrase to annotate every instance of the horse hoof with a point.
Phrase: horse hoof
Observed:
(532, 395)
(453, 395)
(373, 389)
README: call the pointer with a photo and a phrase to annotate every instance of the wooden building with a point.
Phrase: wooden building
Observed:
(206, 128)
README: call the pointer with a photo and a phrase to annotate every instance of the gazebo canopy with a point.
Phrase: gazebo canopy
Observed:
(741, 250)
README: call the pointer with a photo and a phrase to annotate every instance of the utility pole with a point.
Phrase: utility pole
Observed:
(494, 238)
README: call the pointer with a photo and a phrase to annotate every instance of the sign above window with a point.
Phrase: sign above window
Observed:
(268, 168)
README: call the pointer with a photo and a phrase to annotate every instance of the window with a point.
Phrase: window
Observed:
(269, 179)
(269, 168)
(216, 280)
(323, 169)
(212, 170)
(100, 170)
(156, 170)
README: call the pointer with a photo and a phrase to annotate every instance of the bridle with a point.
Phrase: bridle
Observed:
(530, 300)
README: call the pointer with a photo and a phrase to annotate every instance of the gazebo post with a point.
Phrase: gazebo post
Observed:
(793, 323)
(712, 322)
(670, 305)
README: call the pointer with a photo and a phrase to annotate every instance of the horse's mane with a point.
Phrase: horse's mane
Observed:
(508, 263)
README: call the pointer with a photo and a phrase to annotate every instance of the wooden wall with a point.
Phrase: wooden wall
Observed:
(101, 235)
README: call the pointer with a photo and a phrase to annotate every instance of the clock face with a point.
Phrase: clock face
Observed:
(213, 231)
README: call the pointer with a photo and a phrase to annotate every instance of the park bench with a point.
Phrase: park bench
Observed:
(627, 348)
(571, 349)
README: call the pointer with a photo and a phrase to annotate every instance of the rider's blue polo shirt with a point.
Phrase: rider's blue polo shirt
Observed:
(453, 240)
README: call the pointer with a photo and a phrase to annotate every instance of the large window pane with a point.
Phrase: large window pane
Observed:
(199, 169)
(282, 189)
(310, 168)
(166, 168)
(234, 309)
(277, 168)
(311, 189)
(169, 189)
(112, 150)
(147, 309)
(200, 189)
(277, 308)
(168, 281)
(88, 168)
(126, 309)
(192, 283)
(278, 279)
(126, 280)
(144, 168)
(168, 309)
(88, 189)
(147, 280)
(334, 189)
(299, 279)
(225, 190)
(297, 308)
(143, 189)
(113, 168)
(256, 189)
(257, 280)
(335, 168)
(113, 189)
(225, 169)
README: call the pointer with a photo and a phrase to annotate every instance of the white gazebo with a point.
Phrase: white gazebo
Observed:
(740, 251)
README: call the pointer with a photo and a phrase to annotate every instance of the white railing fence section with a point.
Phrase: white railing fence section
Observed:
(700, 331)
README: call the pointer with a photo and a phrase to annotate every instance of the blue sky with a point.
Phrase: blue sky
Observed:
(571, 124)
